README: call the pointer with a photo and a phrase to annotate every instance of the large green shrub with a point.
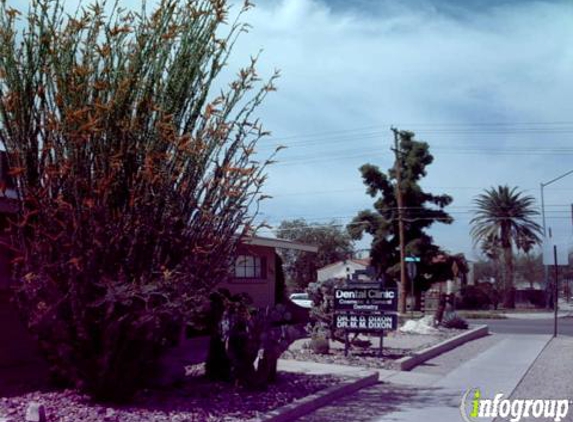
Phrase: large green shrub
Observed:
(134, 184)
(474, 297)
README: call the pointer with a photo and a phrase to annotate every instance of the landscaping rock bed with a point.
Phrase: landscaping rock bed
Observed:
(197, 400)
(397, 345)
(369, 358)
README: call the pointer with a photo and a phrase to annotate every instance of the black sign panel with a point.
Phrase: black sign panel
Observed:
(365, 299)
(366, 322)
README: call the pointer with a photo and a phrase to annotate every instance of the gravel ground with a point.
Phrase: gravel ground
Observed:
(396, 346)
(368, 358)
(550, 377)
(198, 400)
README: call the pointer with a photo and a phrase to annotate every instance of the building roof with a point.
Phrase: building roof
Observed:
(363, 262)
(279, 243)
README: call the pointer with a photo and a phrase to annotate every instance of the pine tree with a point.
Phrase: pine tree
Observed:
(419, 211)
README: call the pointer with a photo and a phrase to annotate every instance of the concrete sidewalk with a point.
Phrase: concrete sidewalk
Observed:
(418, 396)
(497, 370)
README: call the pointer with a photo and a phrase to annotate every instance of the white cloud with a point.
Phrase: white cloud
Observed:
(409, 65)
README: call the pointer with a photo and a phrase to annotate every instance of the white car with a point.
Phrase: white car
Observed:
(301, 299)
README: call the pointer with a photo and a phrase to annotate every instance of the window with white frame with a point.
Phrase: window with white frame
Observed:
(248, 266)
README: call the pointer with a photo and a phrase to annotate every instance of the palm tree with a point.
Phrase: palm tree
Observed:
(505, 215)
(491, 249)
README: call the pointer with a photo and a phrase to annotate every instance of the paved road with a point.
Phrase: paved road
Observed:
(528, 326)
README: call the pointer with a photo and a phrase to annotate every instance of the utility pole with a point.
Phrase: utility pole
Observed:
(403, 288)
(542, 185)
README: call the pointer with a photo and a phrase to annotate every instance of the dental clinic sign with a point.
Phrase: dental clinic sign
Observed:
(369, 299)
(365, 308)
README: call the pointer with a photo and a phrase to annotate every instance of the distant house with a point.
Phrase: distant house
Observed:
(255, 271)
(343, 269)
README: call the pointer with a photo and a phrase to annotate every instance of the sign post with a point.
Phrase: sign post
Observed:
(411, 262)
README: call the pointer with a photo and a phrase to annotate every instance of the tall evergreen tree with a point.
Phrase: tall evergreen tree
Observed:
(420, 209)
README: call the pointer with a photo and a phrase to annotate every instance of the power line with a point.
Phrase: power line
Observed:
(428, 127)
(376, 135)
(353, 136)
(275, 227)
(327, 192)
(350, 154)
(455, 213)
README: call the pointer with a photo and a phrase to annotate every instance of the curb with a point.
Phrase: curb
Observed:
(409, 362)
(310, 403)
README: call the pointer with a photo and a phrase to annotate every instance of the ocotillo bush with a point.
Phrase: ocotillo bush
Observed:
(134, 183)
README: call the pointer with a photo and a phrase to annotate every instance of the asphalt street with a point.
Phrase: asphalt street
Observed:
(528, 326)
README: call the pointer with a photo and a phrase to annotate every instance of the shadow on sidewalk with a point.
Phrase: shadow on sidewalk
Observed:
(373, 403)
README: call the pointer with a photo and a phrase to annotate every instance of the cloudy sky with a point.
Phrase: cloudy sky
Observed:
(488, 84)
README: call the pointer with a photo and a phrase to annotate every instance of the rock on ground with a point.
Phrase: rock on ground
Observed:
(198, 400)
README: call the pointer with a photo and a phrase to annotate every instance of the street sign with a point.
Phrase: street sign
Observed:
(365, 299)
(412, 270)
(412, 259)
(366, 322)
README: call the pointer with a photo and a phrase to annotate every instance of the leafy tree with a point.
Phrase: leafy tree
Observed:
(445, 267)
(505, 215)
(530, 267)
(489, 268)
(334, 244)
(134, 183)
(485, 270)
(420, 209)
(491, 248)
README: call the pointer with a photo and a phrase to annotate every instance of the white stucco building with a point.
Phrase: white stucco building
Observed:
(342, 269)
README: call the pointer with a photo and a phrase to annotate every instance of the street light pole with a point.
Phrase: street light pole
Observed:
(542, 185)
(545, 268)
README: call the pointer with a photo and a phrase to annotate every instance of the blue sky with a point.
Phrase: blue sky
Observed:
(488, 84)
